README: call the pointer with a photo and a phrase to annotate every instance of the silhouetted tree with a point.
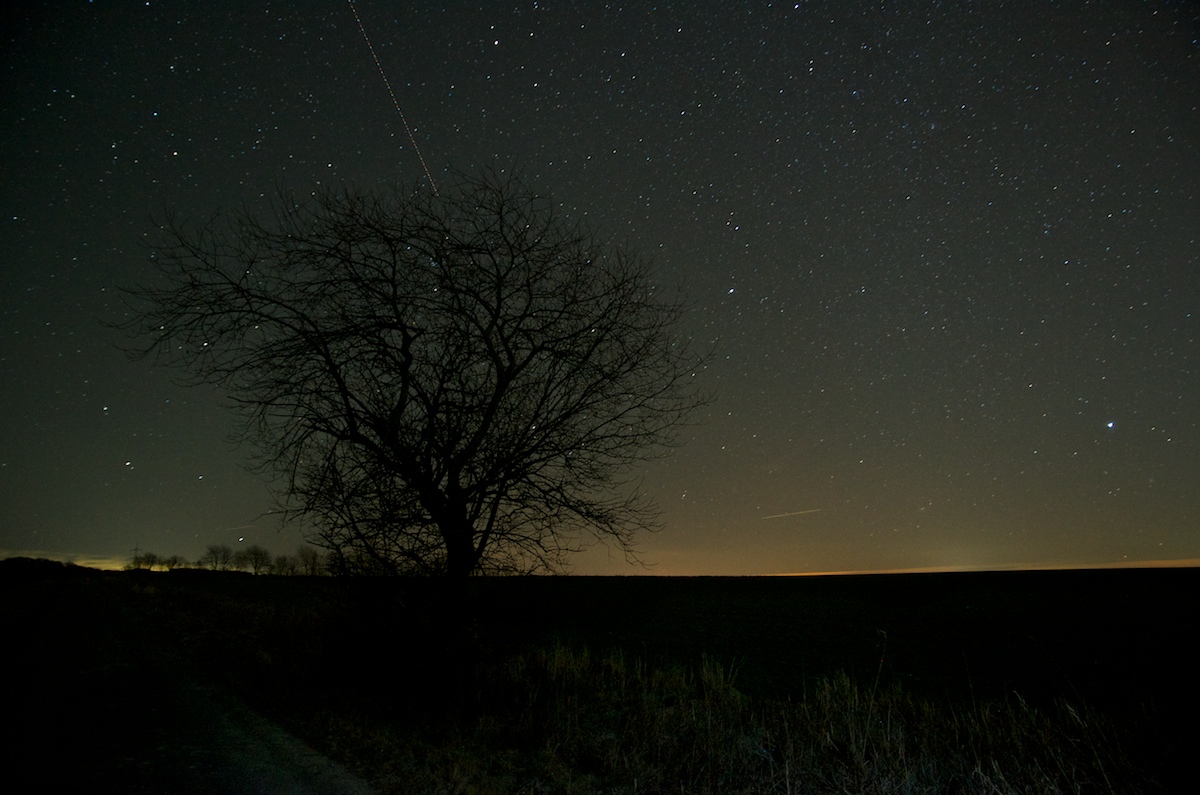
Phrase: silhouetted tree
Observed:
(447, 384)
(143, 560)
(217, 557)
(285, 565)
(310, 561)
(255, 558)
(171, 562)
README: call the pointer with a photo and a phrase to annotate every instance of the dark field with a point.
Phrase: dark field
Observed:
(110, 675)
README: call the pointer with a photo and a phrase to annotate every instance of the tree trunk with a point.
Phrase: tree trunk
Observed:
(461, 557)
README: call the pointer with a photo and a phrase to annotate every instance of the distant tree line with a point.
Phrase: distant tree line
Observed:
(255, 559)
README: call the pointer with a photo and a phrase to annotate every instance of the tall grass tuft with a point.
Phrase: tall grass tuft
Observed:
(565, 720)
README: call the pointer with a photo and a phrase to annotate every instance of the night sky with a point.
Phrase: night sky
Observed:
(946, 253)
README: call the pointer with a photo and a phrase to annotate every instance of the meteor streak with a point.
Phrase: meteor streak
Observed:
(792, 513)
(395, 102)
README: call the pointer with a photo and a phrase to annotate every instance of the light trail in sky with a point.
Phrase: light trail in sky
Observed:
(395, 102)
(792, 513)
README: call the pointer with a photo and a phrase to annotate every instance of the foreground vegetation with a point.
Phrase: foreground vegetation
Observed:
(418, 702)
(558, 719)
(551, 686)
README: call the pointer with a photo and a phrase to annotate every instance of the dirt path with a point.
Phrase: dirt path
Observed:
(210, 743)
(97, 707)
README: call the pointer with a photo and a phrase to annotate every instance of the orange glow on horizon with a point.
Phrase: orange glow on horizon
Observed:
(119, 563)
(101, 562)
(1185, 563)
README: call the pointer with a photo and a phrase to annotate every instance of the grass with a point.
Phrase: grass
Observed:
(604, 686)
(420, 709)
(564, 720)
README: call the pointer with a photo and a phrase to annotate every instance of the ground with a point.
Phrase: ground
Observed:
(99, 705)
(179, 682)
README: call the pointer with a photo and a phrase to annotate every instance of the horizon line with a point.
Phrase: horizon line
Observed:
(117, 563)
(1162, 563)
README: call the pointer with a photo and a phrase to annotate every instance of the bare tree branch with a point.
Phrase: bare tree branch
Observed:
(447, 384)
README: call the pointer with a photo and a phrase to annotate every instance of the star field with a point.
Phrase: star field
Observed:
(945, 253)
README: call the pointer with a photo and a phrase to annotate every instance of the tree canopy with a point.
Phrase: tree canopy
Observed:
(442, 384)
